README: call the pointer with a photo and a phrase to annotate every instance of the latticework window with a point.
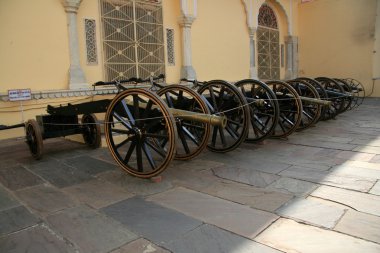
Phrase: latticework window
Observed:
(267, 17)
(133, 40)
(268, 48)
(170, 46)
(90, 28)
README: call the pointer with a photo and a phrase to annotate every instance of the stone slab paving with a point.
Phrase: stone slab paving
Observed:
(366, 165)
(140, 246)
(151, 221)
(312, 212)
(346, 169)
(45, 199)
(6, 200)
(355, 156)
(362, 202)
(35, 240)
(327, 178)
(290, 236)
(18, 177)
(59, 174)
(375, 189)
(89, 230)
(208, 238)
(368, 149)
(97, 193)
(292, 186)
(245, 175)
(134, 185)
(16, 218)
(230, 216)
(89, 164)
(359, 224)
(375, 159)
(258, 198)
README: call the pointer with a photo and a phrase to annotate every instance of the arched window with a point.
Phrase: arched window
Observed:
(267, 17)
(268, 49)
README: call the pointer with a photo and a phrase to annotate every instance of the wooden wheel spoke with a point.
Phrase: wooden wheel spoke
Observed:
(128, 112)
(183, 140)
(213, 98)
(130, 151)
(232, 132)
(123, 121)
(136, 110)
(157, 149)
(148, 155)
(190, 135)
(139, 157)
(222, 136)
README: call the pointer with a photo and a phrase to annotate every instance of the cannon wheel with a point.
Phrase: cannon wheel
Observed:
(347, 89)
(263, 115)
(223, 98)
(34, 138)
(140, 132)
(290, 108)
(321, 92)
(310, 111)
(337, 102)
(357, 90)
(193, 135)
(91, 131)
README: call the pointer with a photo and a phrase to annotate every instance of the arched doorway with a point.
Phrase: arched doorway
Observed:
(268, 44)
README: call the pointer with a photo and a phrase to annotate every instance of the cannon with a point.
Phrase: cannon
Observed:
(223, 98)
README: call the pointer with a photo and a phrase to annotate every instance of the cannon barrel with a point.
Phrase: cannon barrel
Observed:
(213, 120)
(338, 94)
(307, 99)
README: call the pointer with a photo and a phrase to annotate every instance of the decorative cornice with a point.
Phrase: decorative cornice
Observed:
(71, 6)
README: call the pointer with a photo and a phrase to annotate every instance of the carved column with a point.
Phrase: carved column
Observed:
(77, 79)
(187, 70)
(291, 45)
(252, 49)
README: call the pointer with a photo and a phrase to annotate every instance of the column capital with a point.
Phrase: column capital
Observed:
(252, 30)
(71, 6)
(186, 21)
(291, 39)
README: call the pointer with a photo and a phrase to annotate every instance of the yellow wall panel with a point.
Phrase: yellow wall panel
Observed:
(33, 45)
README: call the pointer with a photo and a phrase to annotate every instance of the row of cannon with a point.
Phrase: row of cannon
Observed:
(146, 128)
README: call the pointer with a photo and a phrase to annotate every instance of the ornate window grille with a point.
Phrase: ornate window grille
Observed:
(170, 46)
(91, 51)
(268, 47)
(133, 40)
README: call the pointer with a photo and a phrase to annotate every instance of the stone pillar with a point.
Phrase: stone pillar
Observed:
(187, 70)
(291, 47)
(252, 50)
(77, 80)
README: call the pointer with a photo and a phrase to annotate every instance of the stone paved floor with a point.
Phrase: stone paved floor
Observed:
(318, 191)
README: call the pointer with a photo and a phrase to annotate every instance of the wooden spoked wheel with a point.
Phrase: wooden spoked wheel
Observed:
(263, 107)
(321, 92)
(357, 91)
(34, 138)
(223, 98)
(193, 136)
(91, 131)
(290, 108)
(140, 132)
(335, 94)
(310, 111)
(348, 91)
